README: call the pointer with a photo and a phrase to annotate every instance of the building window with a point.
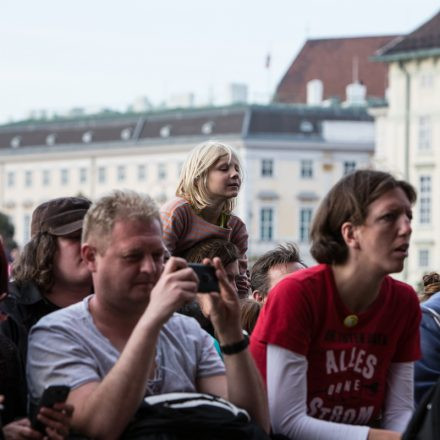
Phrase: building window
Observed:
(64, 176)
(142, 172)
(121, 173)
(28, 178)
(46, 178)
(102, 174)
(423, 257)
(426, 80)
(161, 171)
(266, 224)
(267, 168)
(305, 218)
(425, 199)
(307, 169)
(425, 133)
(11, 178)
(26, 228)
(82, 175)
(349, 167)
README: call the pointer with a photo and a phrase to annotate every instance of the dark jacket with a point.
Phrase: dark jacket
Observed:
(427, 369)
(24, 306)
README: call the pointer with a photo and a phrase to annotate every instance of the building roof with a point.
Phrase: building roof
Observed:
(332, 61)
(297, 121)
(425, 40)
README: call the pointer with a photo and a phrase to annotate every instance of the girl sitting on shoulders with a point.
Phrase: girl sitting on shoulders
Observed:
(208, 187)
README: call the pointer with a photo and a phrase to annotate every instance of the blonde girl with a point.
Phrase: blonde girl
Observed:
(209, 184)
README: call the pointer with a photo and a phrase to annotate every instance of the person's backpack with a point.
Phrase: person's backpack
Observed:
(191, 416)
(425, 422)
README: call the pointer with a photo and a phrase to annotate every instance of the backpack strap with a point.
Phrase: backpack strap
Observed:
(435, 315)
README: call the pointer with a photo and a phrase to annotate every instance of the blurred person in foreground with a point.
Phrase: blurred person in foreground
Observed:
(125, 341)
(337, 342)
(13, 390)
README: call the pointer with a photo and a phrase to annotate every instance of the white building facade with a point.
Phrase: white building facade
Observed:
(408, 137)
(291, 156)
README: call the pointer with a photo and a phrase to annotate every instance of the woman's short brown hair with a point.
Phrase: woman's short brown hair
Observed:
(348, 201)
(249, 312)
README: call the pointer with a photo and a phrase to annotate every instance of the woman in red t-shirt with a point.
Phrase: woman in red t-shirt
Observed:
(336, 342)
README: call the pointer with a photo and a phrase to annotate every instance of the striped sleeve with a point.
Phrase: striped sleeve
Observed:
(174, 222)
(240, 237)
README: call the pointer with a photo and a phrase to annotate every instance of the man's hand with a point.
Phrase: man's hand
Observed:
(20, 429)
(57, 420)
(177, 285)
(223, 307)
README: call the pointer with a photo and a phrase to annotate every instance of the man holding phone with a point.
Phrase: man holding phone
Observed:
(111, 348)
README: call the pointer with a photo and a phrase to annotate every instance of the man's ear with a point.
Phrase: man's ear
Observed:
(258, 296)
(88, 254)
(349, 233)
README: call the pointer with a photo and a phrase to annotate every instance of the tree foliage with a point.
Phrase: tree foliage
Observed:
(7, 231)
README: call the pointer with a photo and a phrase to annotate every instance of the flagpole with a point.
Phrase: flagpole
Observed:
(267, 65)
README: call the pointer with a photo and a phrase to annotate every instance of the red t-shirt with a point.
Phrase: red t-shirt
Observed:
(347, 367)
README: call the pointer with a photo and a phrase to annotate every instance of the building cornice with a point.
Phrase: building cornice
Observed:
(407, 56)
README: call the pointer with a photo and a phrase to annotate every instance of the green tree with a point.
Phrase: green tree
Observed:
(7, 231)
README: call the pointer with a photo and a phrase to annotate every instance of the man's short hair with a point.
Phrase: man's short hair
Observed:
(117, 205)
(283, 254)
(348, 201)
(210, 248)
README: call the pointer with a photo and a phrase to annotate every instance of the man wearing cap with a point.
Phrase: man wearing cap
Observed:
(50, 273)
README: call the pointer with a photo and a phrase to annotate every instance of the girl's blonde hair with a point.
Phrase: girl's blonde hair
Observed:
(193, 180)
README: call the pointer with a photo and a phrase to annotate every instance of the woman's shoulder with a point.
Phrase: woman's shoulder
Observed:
(397, 287)
(399, 295)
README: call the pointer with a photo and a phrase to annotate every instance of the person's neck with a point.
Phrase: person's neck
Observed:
(356, 287)
(63, 295)
(115, 324)
(212, 212)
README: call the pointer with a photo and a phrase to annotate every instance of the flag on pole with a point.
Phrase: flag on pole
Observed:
(267, 64)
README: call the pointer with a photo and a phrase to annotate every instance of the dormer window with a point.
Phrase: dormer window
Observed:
(165, 131)
(15, 141)
(87, 137)
(208, 127)
(50, 139)
(306, 126)
(126, 134)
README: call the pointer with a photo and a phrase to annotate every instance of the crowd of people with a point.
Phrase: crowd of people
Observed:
(102, 300)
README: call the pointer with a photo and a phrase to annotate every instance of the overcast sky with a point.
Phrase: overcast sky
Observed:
(56, 55)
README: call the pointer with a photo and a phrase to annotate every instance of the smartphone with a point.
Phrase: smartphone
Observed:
(208, 281)
(51, 395)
